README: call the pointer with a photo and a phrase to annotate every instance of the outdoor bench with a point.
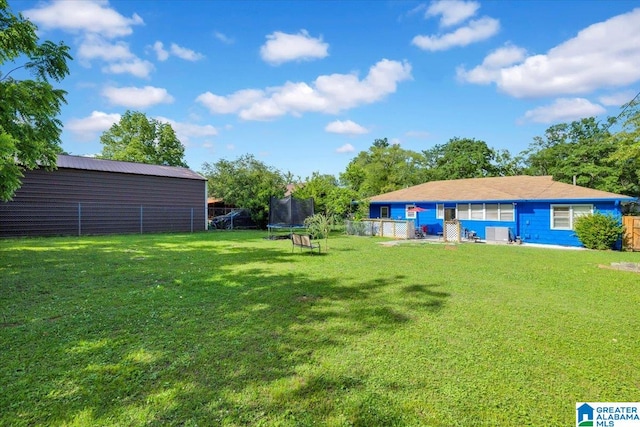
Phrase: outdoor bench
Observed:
(303, 241)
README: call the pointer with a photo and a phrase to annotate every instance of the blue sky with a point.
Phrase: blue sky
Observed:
(306, 85)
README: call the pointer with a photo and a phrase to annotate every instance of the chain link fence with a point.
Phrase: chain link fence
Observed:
(52, 219)
(381, 227)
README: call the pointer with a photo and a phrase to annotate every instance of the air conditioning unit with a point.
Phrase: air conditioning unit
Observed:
(497, 234)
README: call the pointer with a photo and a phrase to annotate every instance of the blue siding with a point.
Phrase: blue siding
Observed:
(535, 222)
(374, 211)
(532, 220)
(479, 227)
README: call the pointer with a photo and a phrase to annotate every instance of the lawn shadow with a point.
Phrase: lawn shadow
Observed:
(169, 341)
(423, 295)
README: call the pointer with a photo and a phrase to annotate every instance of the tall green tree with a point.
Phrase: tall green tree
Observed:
(627, 151)
(29, 127)
(246, 183)
(137, 138)
(465, 158)
(330, 199)
(384, 167)
(628, 138)
(319, 187)
(582, 150)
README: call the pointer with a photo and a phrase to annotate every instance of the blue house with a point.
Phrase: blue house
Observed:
(535, 209)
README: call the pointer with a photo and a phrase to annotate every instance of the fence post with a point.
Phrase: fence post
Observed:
(141, 217)
(79, 219)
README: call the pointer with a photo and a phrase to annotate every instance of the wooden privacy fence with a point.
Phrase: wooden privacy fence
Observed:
(631, 233)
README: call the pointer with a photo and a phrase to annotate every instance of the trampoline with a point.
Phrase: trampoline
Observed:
(288, 214)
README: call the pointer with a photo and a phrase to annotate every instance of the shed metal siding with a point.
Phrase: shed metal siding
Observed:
(48, 203)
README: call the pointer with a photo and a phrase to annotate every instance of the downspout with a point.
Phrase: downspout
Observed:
(517, 218)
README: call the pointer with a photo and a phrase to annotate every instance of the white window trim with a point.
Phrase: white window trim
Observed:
(410, 214)
(466, 207)
(571, 214)
(388, 212)
(439, 210)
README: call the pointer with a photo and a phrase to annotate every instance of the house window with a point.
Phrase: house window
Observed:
(477, 211)
(491, 211)
(384, 211)
(439, 211)
(463, 210)
(410, 212)
(485, 211)
(506, 212)
(563, 216)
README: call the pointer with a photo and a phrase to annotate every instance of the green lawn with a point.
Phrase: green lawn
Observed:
(228, 328)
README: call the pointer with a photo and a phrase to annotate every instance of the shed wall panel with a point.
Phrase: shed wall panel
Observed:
(51, 203)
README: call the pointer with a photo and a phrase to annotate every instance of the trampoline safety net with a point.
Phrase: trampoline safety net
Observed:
(289, 212)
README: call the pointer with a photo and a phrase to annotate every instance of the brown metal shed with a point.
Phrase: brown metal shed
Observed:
(94, 196)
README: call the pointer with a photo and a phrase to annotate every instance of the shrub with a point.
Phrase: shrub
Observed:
(319, 226)
(598, 231)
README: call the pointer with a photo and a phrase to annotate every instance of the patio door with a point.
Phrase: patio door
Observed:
(449, 214)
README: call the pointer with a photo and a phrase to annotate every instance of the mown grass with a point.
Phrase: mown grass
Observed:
(232, 329)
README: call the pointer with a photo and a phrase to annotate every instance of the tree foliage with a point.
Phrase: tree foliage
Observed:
(627, 148)
(329, 197)
(245, 183)
(29, 128)
(465, 158)
(628, 139)
(583, 149)
(384, 167)
(137, 138)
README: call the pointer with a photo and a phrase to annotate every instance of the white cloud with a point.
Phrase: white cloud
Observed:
(346, 127)
(223, 38)
(563, 110)
(96, 22)
(87, 128)
(181, 52)
(346, 148)
(281, 47)
(184, 53)
(95, 47)
(161, 53)
(186, 131)
(136, 67)
(475, 31)
(617, 99)
(232, 103)
(88, 16)
(135, 97)
(327, 94)
(603, 55)
(452, 12)
(490, 68)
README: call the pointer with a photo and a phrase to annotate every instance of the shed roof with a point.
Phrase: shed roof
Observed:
(93, 164)
(507, 188)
